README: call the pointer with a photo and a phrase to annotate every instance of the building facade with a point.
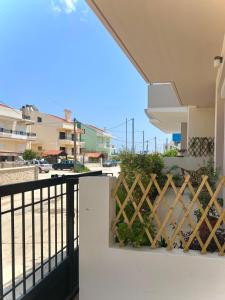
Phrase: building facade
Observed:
(54, 133)
(15, 133)
(98, 143)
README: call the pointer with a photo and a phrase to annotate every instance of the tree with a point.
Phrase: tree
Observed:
(29, 154)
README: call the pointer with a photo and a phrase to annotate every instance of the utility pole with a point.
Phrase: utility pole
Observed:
(126, 134)
(74, 144)
(147, 146)
(133, 150)
(155, 144)
(166, 143)
(143, 141)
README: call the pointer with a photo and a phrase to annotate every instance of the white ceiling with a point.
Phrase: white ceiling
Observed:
(170, 41)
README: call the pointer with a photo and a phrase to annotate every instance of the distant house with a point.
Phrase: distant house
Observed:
(54, 134)
(98, 143)
(15, 133)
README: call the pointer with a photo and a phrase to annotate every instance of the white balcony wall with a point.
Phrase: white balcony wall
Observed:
(187, 162)
(201, 122)
(108, 272)
(162, 95)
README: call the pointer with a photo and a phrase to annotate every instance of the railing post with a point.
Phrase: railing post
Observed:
(70, 231)
(1, 267)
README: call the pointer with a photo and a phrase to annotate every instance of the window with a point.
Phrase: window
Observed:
(39, 119)
(62, 135)
(62, 149)
(39, 148)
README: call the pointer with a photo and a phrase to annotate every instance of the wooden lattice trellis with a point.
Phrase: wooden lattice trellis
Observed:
(173, 216)
(201, 146)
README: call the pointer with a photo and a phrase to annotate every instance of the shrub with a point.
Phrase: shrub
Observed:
(136, 235)
(170, 153)
(144, 164)
(29, 154)
(81, 169)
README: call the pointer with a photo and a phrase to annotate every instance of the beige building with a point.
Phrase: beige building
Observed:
(15, 133)
(54, 133)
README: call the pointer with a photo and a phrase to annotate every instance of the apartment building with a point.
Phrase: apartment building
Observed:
(98, 143)
(54, 134)
(15, 133)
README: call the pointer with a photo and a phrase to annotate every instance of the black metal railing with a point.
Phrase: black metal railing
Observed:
(17, 132)
(39, 238)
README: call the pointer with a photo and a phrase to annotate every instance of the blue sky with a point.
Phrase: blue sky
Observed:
(57, 54)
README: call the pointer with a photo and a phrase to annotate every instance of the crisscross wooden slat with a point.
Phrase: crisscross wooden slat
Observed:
(137, 211)
(188, 210)
(123, 205)
(155, 215)
(138, 194)
(204, 215)
(170, 211)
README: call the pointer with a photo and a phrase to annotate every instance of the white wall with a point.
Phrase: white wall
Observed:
(219, 132)
(201, 122)
(187, 162)
(109, 273)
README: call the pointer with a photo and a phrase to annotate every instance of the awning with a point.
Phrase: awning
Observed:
(54, 153)
(94, 155)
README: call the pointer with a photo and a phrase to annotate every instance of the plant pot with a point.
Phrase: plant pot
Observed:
(204, 231)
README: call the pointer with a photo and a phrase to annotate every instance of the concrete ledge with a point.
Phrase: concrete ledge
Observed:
(108, 272)
(18, 174)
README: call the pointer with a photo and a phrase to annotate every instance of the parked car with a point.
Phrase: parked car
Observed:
(110, 163)
(43, 165)
(66, 165)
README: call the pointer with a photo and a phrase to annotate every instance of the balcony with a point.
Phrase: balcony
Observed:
(17, 134)
(69, 140)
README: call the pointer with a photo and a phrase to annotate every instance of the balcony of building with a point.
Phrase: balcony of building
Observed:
(17, 134)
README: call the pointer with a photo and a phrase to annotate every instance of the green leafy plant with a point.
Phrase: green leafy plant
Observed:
(135, 235)
(162, 243)
(123, 233)
(29, 154)
(81, 169)
(170, 153)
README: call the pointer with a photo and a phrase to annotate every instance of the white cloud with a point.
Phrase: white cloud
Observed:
(66, 6)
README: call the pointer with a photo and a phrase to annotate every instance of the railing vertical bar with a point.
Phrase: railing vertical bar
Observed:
(13, 247)
(1, 266)
(41, 225)
(24, 244)
(77, 214)
(49, 230)
(56, 260)
(33, 237)
(61, 190)
(70, 230)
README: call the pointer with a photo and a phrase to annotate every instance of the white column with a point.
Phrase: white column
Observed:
(201, 122)
(184, 135)
(219, 133)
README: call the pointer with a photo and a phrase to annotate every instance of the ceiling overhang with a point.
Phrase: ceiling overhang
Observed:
(170, 41)
(168, 119)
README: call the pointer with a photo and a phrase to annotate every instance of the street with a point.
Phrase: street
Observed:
(92, 167)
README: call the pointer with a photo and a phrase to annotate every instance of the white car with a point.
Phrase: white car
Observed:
(43, 165)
